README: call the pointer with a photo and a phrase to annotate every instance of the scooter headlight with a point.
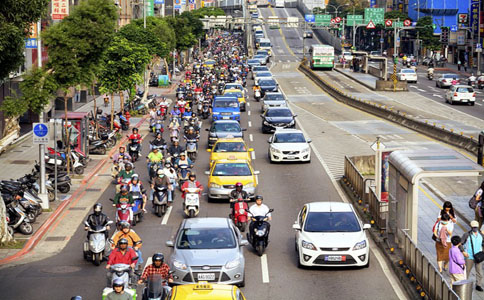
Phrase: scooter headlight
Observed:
(260, 232)
(241, 211)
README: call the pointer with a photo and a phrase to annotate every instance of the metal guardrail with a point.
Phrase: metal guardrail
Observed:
(431, 280)
(378, 209)
(354, 177)
(442, 134)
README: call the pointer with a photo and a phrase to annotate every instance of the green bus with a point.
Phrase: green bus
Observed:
(322, 56)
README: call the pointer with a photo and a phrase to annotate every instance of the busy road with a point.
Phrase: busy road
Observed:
(285, 187)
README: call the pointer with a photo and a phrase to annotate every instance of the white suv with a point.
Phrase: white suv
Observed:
(289, 145)
(330, 234)
(460, 93)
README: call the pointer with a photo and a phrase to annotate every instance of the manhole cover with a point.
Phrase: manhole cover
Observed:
(20, 162)
(61, 269)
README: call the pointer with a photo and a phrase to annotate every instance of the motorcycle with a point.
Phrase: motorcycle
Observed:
(134, 149)
(124, 213)
(137, 211)
(472, 81)
(156, 288)
(191, 205)
(120, 271)
(97, 147)
(157, 127)
(259, 239)
(160, 200)
(95, 246)
(240, 216)
(191, 148)
(183, 172)
(17, 219)
(174, 133)
(205, 110)
(257, 95)
(163, 110)
(430, 76)
(124, 122)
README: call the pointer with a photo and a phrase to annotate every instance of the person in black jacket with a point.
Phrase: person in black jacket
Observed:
(97, 218)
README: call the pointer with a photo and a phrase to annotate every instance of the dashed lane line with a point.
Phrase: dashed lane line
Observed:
(251, 137)
(164, 221)
(265, 268)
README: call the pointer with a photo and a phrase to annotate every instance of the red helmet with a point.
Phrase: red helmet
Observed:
(239, 184)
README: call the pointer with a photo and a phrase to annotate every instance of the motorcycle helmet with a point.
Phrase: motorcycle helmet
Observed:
(122, 242)
(167, 165)
(135, 130)
(76, 298)
(124, 225)
(98, 208)
(239, 185)
(124, 189)
(128, 167)
(182, 154)
(118, 282)
(121, 148)
(259, 197)
(192, 175)
(160, 173)
(158, 257)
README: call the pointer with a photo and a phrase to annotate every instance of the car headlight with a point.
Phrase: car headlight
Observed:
(292, 122)
(236, 113)
(266, 123)
(305, 150)
(308, 245)
(179, 265)
(216, 113)
(215, 186)
(275, 150)
(232, 264)
(249, 185)
(360, 245)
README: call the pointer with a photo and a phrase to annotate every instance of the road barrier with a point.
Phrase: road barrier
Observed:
(421, 270)
(442, 134)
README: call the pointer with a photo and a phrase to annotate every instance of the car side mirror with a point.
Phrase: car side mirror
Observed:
(243, 242)
(243, 129)
(296, 226)
(256, 172)
(261, 115)
(366, 226)
(294, 116)
(308, 141)
(169, 244)
(269, 140)
(209, 150)
(207, 172)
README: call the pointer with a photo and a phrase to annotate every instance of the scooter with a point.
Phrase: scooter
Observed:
(156, 288)
(134, 147)
(191, 205)
(124, 213)
(120, 271)
(257, 95)
(240, 216)
(137, 211)
(183, 172)
(205, 110)
(259, 239)
(160, 200)
(191, 148)
(17, 219)
(157, 127)
(97, 147)
(95, 246)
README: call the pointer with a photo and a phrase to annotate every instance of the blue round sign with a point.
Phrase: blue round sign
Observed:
(41, 130)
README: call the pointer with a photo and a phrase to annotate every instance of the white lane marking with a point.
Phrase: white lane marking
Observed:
(421, 90)
(248, 103)
(265, 268)
(166, 216)
(478, 104)
(435, 95)
(249, 123)
(248, 113)
(251, 137)
(252, 154)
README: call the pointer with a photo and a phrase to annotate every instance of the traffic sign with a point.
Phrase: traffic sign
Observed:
(337, 19)
(333, 21)
(353, 20)
(453, 28)
(407, 23)
(478, 47)
(377, 15)
(381, 41)
(388, 23)
(377, 146)
(40, 133)
(370, 25)
(309, 18)
(323, 20)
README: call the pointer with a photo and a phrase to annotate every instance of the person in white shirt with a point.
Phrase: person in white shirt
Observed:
(259, 209)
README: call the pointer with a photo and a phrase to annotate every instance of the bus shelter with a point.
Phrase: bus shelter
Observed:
(406, 169)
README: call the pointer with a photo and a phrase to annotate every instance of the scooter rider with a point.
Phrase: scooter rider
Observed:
(175, 148)
(118, 292)
(158, 141)
(136, 136)
(430, 72)
(259, 209)
(170, 172)
(122, 155)
(125, 175)
(236, 194)
(192, 135)
(121, 255)
(136, 186)
(192, 182)
(158, 267)
(123, 197)
(97, 218)
(161, 180)
(134, 241)
(154, 157)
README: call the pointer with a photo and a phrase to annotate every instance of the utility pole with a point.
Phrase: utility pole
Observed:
(43, 195)
(479, 40)
(304, 39)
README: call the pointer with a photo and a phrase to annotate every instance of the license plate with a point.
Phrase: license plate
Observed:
(206, 276)
(291, 157)
(225, 118)
(335, 258)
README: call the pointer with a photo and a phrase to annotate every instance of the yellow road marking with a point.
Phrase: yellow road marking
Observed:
(282, 35)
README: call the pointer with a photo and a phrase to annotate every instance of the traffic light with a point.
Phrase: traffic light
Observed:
(444, 36)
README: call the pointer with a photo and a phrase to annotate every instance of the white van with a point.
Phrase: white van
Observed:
(265, 44)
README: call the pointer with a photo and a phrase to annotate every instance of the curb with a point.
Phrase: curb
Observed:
(355, 79)
(37, 236)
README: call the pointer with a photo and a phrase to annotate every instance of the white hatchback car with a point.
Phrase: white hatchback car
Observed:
(289, 145)
(461, 93)
(408, 75)
(330, 234)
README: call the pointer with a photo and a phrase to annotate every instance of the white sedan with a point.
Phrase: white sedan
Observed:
(330, 234)
(289, 145)
(460, 93)
(408, 75)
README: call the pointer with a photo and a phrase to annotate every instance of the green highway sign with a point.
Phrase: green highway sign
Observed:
(322, 20)
(398, 24)
(354, 20)
(377, 15)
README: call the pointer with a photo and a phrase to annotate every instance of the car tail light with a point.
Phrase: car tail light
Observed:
(455, 94)
(474, 94)
(443, 80)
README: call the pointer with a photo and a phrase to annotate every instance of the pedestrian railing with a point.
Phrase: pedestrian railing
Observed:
(378, 209)
(354, 178)
(419, 267)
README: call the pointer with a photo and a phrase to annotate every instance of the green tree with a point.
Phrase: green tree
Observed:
(426, 33)
(16, 17)
(185, 38)
(396, 14)
(208, 11)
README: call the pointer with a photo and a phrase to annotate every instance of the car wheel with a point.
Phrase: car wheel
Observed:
(451, 101)
(437, 84)
(471, 103)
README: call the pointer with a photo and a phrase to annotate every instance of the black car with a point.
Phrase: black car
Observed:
(277, 117)
(267, 85)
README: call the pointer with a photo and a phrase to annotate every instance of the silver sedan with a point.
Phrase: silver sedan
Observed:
(208, 249)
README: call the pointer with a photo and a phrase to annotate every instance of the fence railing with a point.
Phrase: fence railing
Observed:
(378, 209)
(355, 178)
(431, 280)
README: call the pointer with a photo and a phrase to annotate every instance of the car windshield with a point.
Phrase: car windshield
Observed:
(259, 56)
(226, 103)
(206, 238)
(210, 62)
(289, 138)
(465, 90)
(331, 222)
(260, 68)
(227, 127)
(254, 61)
(230, 147)
(450, 76)
(232, 169)
(278, 113)
(346, 53)
(265, 44)
(233, 86)
(274, 97)
(262, 52)
(408, 71)
(235, 94)
(263, 74)
(267, 82)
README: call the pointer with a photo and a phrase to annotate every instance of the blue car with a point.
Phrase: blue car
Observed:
(225, 108)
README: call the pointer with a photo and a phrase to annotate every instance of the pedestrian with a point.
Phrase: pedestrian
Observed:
(478, 210)
(447, 208)
(442, 242)
(465, 67)
(472, 241)
(459, 63)
(457, 262)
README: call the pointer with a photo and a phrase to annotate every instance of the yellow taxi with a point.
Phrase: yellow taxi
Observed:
(240, 96)
(228, 147)
(225, 173)
(204, 291)
(209, 63)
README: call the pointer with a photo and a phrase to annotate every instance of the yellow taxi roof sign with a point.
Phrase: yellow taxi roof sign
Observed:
(203, 285)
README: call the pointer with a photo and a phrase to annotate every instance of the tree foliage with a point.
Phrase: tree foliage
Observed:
(123, 65)
(186, 29)
(16, 17)
(426, 33)
(396, 14)
(208, 11)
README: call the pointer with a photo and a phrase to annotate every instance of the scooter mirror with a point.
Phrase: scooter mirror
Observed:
(243, 242)
(271, 210)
